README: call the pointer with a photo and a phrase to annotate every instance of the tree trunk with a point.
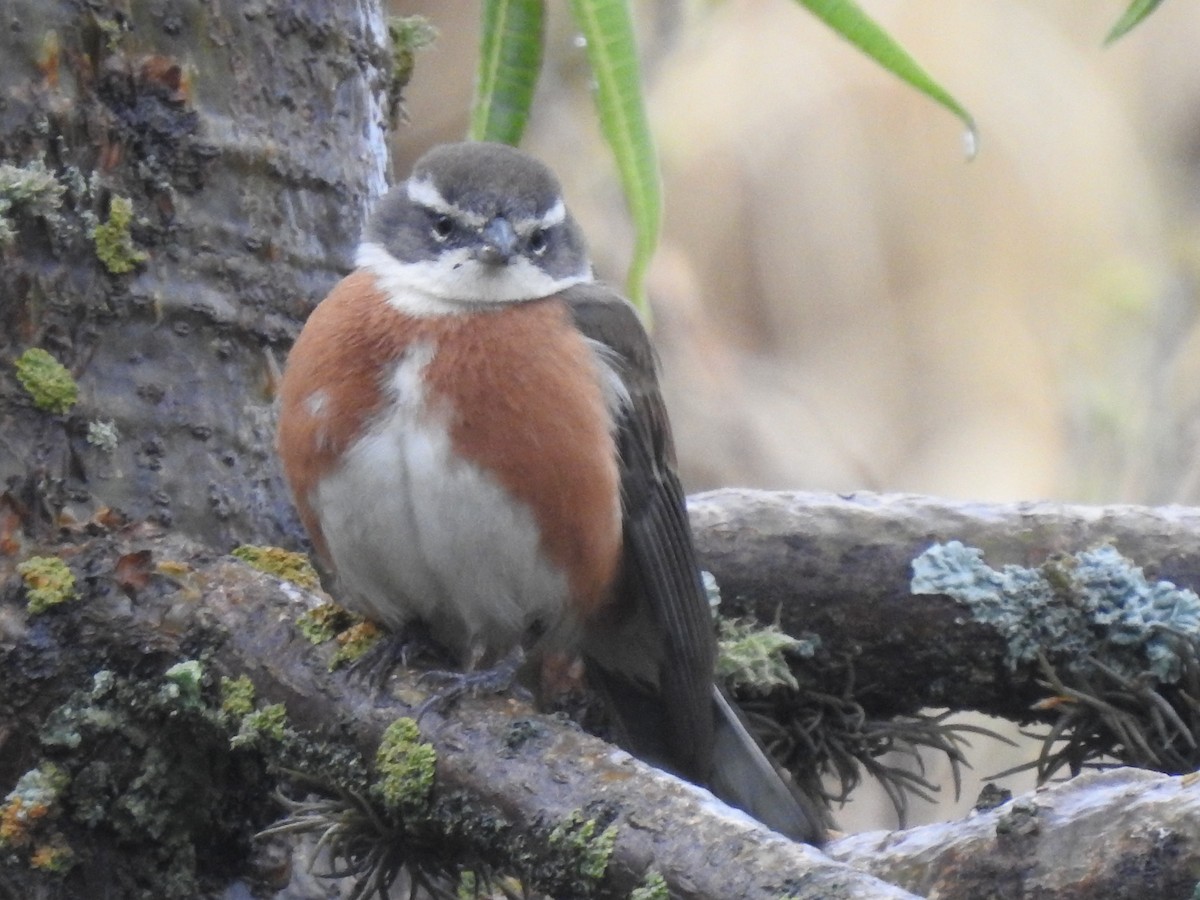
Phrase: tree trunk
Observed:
(184, 180)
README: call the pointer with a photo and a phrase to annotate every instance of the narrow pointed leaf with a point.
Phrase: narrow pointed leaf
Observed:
(510, 58)
(847, 19)
(1133, 15)
(607, 28)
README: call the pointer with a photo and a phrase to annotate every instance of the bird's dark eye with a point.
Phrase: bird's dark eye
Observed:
(443, 227)
(538, 241)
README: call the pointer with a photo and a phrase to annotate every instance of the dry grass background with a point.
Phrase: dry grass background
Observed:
(843, 302)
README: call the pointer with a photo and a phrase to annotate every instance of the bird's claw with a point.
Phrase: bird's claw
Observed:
(453, 686)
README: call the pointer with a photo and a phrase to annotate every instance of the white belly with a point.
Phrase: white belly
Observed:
(416, 533)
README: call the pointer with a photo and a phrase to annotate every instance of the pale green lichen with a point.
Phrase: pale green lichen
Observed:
(754, 656)
(406, 767)
(184, 681)
(113, 241)
(1093, 605)
(48, 582)
(592, 852)
(103, 435)
(285, 564)
(712, 591)
(32, 189)
(46, 380)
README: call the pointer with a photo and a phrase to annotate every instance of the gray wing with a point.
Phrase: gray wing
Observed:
(655, 662)
(662, 593)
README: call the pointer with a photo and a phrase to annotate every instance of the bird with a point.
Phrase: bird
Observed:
(474, 437)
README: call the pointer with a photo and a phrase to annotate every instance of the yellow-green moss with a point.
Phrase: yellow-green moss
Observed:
(577, 835)
(323, 623)
(113, 241)
(46, 380)
(653, 887)
(237, 696)
(354, 642)
(406, 767)
(468, 885)
(474, 886)
(285, 564)
(270, 721)
(48, 582)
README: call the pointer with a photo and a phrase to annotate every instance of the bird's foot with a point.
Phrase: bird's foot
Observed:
(453, 686)
(395, 648)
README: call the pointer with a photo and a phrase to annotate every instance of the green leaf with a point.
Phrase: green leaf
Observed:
(1134, 14)
(607, 28)
(848, 20)
(510, 59)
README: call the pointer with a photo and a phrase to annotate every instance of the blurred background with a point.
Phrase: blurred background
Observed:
(842, 301)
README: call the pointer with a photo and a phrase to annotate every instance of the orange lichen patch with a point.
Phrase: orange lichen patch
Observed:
(132, 571)
(52, 857)
(48, 58)
(11, 526)
(354, 642)
(17, 818)
(285, 564)
(168, 75)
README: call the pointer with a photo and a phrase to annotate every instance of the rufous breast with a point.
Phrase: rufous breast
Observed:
(458, 468)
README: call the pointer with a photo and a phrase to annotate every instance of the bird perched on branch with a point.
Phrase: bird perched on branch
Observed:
(474, 436)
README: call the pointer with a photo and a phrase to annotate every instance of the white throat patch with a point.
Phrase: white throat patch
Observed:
(454, 282)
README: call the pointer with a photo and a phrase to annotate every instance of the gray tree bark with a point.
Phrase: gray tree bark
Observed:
(248, 139)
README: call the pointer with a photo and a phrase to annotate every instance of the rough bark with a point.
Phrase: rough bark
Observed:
(526, 772)
(248, 141)
(1125, 833)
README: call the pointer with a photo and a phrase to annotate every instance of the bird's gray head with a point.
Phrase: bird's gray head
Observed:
(475, 223)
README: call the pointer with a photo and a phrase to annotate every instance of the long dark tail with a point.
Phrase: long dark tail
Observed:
(744, 776)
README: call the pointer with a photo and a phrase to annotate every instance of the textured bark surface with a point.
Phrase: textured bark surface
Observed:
(523, 772)
(249, 140)
(839, 566)
(1123, 833)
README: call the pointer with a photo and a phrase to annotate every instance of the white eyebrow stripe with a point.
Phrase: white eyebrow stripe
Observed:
(424, 193)
(555, 214)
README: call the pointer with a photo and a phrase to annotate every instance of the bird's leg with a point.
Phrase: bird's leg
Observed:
(395, 648)
(453, 686)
